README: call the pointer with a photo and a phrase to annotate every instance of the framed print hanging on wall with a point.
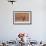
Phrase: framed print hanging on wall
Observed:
(22, 17)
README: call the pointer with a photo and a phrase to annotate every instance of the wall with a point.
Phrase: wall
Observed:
(9, 31)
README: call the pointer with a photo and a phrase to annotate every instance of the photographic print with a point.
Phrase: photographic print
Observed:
(22, 17)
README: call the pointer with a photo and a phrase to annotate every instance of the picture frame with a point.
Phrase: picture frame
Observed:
(22, 17)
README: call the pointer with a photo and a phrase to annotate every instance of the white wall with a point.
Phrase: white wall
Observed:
(9, 31)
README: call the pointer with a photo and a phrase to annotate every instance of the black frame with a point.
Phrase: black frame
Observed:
(22, 23)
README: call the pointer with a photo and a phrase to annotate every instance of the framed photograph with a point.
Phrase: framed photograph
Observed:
(22, 17)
